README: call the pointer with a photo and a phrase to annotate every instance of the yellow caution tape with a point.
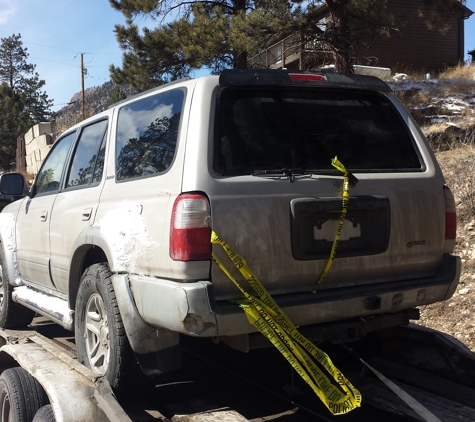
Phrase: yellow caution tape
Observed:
(346, 199)
(264, 313)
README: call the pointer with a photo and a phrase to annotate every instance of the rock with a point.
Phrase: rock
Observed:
(464, 291)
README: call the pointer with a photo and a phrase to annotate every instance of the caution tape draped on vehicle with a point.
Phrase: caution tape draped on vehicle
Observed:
(346, 199)
(264, 313)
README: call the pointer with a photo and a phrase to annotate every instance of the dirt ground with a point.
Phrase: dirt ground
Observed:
(456, 316)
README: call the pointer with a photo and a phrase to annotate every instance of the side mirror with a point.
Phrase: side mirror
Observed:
(13, 184)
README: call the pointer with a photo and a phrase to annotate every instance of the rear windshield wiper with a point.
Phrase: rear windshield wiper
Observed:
(291, 173)
(285, 172)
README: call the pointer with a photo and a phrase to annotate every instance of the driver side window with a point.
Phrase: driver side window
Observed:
(49, 177)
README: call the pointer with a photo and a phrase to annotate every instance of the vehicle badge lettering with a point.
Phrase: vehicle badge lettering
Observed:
(415, 243)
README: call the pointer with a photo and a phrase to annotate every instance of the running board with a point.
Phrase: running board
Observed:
(51, 307)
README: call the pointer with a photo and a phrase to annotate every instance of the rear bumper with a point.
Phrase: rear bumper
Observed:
(190, 308)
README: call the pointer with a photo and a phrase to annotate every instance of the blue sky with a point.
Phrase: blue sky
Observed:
(55, 32)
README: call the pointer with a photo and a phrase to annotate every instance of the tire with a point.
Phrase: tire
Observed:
(21, 396)
(45, 414)
(101, 341)
(12, 315)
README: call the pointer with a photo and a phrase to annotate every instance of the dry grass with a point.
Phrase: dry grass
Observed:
(458, 165)
(461, 71)
(453, 142)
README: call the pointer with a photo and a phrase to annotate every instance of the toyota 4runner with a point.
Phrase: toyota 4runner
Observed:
(113, 238)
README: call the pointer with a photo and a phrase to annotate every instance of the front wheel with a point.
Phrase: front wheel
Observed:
(101, 341)
(12, 315)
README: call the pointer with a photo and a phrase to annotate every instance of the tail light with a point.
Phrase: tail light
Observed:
(190, 231)
(450, 220)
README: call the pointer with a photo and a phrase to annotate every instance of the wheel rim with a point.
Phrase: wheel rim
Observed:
(6, 413)
(97, 335)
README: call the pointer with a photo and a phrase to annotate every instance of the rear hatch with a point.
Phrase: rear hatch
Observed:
(276, 199)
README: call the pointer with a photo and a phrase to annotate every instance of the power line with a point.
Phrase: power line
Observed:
(49, 46)
(53, 61)
(72, 51)
(72, 102)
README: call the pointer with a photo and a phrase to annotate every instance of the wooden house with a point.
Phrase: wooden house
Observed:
(414, 47)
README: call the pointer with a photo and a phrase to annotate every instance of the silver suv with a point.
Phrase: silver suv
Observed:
(113, 239)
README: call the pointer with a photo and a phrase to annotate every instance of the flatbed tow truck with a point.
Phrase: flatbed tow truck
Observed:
(434, 369)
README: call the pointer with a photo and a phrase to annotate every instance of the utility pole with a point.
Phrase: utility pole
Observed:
(82, 88)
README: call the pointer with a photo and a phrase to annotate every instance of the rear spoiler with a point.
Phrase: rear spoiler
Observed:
(268, 77)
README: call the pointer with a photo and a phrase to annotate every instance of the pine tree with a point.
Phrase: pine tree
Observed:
(21, 77)
(219, 34)
(22, 101)
(215, 34)
(12, 124)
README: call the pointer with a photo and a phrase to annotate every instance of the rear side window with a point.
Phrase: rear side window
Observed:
(289, 128)
(147, 132)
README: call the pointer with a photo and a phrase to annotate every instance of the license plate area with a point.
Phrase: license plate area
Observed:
(314, 222)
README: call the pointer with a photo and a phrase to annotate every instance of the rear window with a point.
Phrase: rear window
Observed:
(289, 128)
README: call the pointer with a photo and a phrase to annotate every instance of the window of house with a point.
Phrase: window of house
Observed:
(88, 159)
(147, 133)
(49, 177)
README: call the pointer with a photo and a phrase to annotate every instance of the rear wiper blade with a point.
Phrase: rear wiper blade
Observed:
(291, 173)
(286, 172)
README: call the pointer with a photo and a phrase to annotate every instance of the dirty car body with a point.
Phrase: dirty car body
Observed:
(139, 187)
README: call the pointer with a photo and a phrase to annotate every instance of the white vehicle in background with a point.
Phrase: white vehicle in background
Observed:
(113, 239)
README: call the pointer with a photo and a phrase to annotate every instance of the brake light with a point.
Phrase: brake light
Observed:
(450, 214)
(190, 230)
(450, 225)
(306, 77)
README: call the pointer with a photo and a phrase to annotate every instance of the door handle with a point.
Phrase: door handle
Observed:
(86, 214)
(43, 215)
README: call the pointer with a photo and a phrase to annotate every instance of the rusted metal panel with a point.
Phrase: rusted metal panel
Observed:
(75, 392)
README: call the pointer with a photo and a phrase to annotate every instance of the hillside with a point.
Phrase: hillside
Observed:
(97, 99)
(445, 110)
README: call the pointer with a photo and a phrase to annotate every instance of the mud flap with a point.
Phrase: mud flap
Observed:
(156, 349)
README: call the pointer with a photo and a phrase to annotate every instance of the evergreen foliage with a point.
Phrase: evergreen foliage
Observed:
(216, 35)
(22, 101)
(12, 124)
(219, 34)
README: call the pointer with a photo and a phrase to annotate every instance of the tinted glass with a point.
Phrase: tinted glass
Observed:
(147, 133)
(49, 177)
(100, 161)
(86, 155)
(263, 129)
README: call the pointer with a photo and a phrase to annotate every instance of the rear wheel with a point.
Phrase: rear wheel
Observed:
(101, 341)
(12, 315)
(21, 396)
